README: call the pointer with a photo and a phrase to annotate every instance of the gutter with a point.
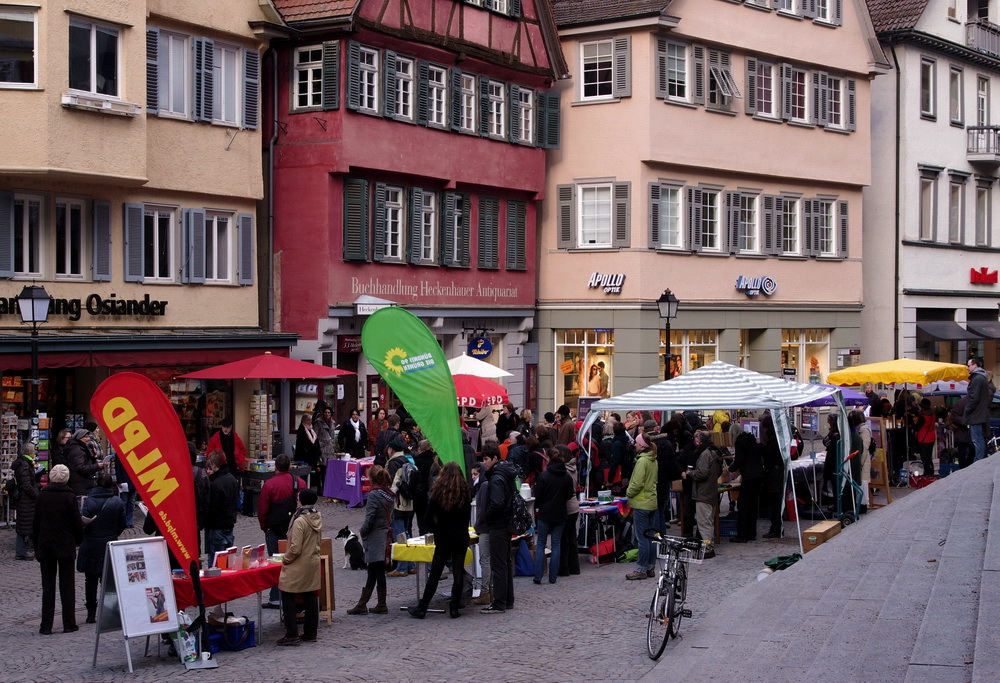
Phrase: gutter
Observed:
(270, 187)
(896, 217)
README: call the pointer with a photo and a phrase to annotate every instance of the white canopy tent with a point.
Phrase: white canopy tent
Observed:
(720, 385)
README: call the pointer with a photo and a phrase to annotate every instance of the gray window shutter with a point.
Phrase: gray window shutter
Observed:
(852, 104)
(486, 250)
(698, 64)
(378, 224)
(251, 89)
(514, 100)
(750, 101)
(622, 79)
(133, 219)
(566, 210)
(809, 9)
(484, 106)
(389, 85)
(465, 235)
(193, 246)
(423, 91)
(353, 75)
(152, 70)
(771, 209)
(786, 91)
(204, 75)
(621, 234)
(548, 114)
(661, 69)
(447, 234)
(245, 237)
(331, 75)
(517, 211)
(355, 219)
(776, 4)
(515, 8)
(654, 215)
(456, 98)
(733, 222)
(6, 234)
(844, 225)
(838, 12)
(693, 200)
(809, 234)
(416, 223)
(820, 83)
(101, 261)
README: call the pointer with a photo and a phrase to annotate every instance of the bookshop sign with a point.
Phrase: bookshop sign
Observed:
(95, 305)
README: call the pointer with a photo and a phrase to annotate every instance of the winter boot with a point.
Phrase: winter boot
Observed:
(380, 607)
(91, 613)
(485, 598)
(362, 606)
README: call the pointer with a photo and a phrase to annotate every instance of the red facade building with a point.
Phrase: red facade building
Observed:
(407, 162)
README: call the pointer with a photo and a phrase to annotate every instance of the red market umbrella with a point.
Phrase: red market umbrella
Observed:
(267, 366)
(476, 392)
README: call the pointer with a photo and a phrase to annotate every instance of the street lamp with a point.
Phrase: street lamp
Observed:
(33, 303)
(667, 303)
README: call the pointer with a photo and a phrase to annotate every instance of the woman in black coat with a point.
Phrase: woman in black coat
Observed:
(749, 463)
(774, 480)
(57, 530)
(353, 436)
(23, 468)
(104, 519)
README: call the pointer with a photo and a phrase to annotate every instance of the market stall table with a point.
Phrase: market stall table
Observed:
(601, 513)
(346, 480)
(229, 585)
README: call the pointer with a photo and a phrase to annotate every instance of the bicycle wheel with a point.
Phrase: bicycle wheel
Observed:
(675, 601)
(658, 629)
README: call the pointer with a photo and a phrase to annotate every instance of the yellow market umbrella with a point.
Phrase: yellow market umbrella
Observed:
(897, 371)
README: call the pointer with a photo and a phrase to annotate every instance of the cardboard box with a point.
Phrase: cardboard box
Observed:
(818, 534)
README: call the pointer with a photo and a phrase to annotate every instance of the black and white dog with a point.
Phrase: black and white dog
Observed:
(353, 551)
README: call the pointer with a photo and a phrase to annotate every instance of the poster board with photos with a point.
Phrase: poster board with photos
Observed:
(327, 599)
(879, 481)
(137, 593)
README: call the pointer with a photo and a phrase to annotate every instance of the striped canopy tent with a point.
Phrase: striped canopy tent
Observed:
(725, 386)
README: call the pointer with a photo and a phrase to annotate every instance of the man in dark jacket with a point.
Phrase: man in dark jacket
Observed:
(496, 519)
(704, 492)
(749, 464)
(977, 407)
(553, 488)
(666, 472)
(385, 437)
(23, 469)
(960, 431)
(83, 468)
(277, 503)
(57, 529)
(223, 497)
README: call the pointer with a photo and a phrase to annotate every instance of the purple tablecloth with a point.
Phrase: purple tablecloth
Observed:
(344, 480)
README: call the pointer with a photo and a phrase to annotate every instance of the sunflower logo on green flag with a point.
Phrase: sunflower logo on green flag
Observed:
(408, 357)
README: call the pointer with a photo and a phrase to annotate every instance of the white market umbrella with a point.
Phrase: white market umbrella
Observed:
(467, 365)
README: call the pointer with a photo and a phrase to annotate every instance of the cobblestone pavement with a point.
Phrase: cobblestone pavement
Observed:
(590, 626)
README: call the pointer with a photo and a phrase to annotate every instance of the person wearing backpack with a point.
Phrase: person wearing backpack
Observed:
(26, 487)
(277, 503)
(104, 520)
(496, 520)
(404, 476)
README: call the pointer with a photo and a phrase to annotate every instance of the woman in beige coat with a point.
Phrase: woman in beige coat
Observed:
(300, 570)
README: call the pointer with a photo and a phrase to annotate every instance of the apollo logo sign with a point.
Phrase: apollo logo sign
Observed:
(611, 283)
(752, 286)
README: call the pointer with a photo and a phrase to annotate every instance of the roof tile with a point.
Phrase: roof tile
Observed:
(305, 10)
(894, 15)
(570, 12)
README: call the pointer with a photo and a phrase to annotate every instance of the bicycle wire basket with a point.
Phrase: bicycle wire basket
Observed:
(684, 553)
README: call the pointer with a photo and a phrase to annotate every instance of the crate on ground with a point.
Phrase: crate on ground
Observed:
(234, 637)
(728, 527)
(818, 534)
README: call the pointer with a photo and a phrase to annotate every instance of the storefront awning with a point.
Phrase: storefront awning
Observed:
(985, 328)
(943, 330)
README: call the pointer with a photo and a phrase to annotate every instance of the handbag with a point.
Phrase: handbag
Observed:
(780, 562)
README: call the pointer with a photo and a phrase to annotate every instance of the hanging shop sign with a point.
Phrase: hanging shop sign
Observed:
(480, 348)
(94, 305)
(752, 286)
(611, 283)
(349, 343)
(982, 276)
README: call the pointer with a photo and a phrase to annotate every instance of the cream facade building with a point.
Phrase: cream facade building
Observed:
(717, 149)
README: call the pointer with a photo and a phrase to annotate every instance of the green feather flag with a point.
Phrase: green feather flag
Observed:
(408, 357)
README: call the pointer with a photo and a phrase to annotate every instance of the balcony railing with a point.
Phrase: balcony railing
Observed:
(983, 144)
(983, 36)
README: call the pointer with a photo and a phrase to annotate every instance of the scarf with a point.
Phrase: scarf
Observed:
(311, 433)
(357, 430)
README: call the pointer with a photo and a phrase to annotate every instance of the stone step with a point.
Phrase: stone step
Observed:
(986, 656)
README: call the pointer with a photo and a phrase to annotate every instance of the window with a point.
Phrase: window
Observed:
(526, 115)
(595, 215)
(835, 102)
(952, 9)
(175, 74)
(824, 227)
(749, 224)
(982, 101)
(956, 210)
(468, 103)
(984, 212)
(722, 86)
(225, 84)
(583, 349)
(428, 227)
(368, 80)
(19, 39)
(796, 104)
(501, 6)
(497, 109)
(927, 88)
(27, 236)
(711, 237)
(928, 208)
(956, 96)
(157, 243)
(404, 89)
(787, 6)
(597, 68)
(824, 10)
(393, 217)
(69, 238)
(677, 72)
(93, 57)
(308, 77)
(767, 104)
(455, 219)
(669, 209)
(689, 350)
(218, 246)
(807, 352)
(789, 237)
(437, 96)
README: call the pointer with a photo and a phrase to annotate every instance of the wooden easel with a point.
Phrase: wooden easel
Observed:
(880, 467)
(327, 598)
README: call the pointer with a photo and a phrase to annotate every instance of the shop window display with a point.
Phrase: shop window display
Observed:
(807, 352)
(584, 365)
(689, 350)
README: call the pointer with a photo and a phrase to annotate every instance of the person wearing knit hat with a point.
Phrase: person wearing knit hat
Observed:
(642, 499)
(83, 466)
(23, 472)
(57, 530)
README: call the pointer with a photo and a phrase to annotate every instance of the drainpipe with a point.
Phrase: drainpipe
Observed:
(270, 187)
(897, 245)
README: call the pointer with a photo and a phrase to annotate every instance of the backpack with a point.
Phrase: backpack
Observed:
(281, 511)
(520, 518)
(408, 480)
(12, 490)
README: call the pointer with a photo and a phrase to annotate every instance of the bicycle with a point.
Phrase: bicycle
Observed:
(667, 607)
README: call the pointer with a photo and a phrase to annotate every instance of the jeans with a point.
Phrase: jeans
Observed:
(402, 523)
(21, 545)
(67, 592)
(644, 519)
(978, 434)
(310, 605)
(544, 530)
(486, 582)
(216, 540)
(128, 497)
(271, 542)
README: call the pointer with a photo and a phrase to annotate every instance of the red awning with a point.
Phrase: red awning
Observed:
(129, 359)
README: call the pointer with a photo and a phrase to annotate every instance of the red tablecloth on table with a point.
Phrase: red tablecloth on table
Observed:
(228, 586)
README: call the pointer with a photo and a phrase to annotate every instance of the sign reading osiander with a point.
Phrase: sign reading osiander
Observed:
(94, 305)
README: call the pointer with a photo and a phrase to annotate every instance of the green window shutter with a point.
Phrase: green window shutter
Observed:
(446, 231)
(786, 91)
(733, 222)
(331, 75)
(515, 9)
(245, 237)
(416, 223)
(655, 192)
(251, 89)
(132, 222)
(489, 229)
(378, 224)
(566, 211)
(852, 104)
(820, 81)
(547, 111)
(353, 75)
(355, 219)
(6, 234)
(621, 214)
(484, 106)
(423, 91)
(514, 100)
(844, 225)
(101, 261)
(455, 77)
(621, 85)
(204, 75)
(152, 70)
(516, 237)
(661, 69)
(483, 246)
(750, 101)
(698, 65)
(465, 234)
(770, 204)
(694, 199)
(389, 85)
(193, 246)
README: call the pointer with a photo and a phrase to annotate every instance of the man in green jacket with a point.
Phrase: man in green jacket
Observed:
(705, 492)
(642, 499)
